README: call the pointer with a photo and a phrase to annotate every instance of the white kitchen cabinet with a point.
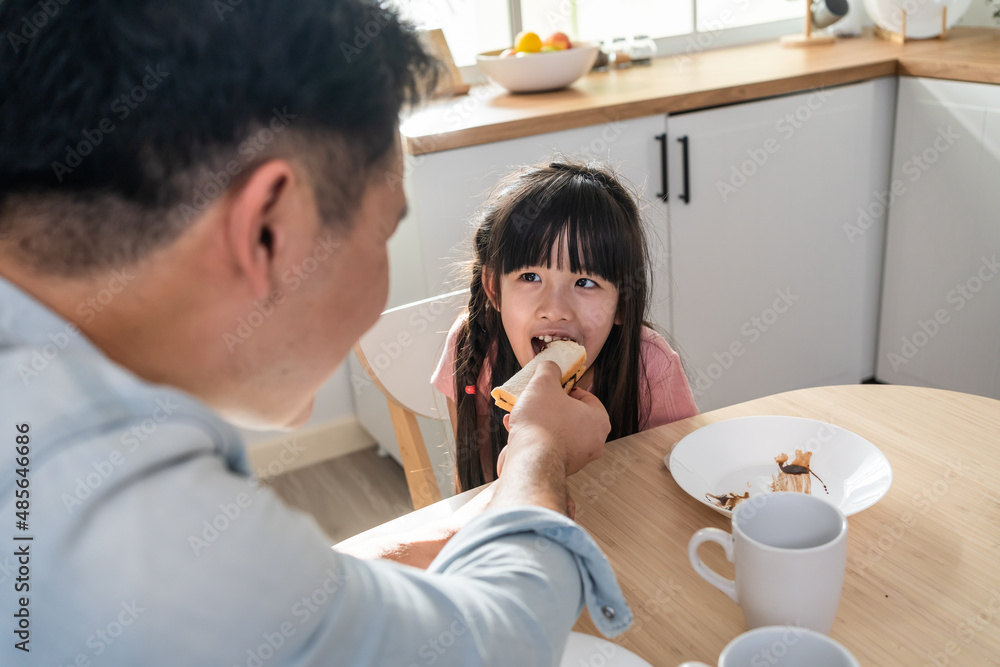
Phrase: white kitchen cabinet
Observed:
(447, 187)
(940, 324)
(775, 263)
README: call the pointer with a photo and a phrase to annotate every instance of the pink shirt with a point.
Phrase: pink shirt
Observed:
(669, 397)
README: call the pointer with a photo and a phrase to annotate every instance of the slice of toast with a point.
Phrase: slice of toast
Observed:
(571, 358)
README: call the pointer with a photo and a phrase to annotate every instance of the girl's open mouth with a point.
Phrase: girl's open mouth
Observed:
(538, 343)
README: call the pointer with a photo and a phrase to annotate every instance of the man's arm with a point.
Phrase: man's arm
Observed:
(421, 545)
(505, 590)
(552, 436)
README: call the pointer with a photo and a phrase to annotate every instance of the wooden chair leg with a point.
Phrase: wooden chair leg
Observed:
(416, 462)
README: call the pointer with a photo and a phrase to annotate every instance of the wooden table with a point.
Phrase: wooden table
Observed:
(923, 574)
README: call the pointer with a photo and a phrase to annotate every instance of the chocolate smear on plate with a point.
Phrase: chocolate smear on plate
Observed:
(795, 475)
(728, 501)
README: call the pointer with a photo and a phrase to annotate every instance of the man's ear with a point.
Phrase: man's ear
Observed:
(488, 286)
(257, 222)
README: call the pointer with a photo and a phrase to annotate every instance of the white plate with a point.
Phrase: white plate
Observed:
(737, 456)
(923, 17)
(586, 650)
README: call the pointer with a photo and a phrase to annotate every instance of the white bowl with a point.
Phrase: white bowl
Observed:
(535, 72)
(923, 19)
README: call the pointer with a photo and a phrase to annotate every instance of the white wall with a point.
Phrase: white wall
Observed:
(980, 14)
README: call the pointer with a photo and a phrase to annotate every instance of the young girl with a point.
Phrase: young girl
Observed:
(559, 252)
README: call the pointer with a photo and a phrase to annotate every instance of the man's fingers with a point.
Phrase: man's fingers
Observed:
(506, 421)
(547, 373)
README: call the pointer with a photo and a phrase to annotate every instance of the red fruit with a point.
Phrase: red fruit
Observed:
(558, 40)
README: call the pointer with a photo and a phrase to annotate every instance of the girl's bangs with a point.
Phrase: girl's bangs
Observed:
(595, 233)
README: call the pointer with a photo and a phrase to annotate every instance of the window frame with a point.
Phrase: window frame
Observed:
(687, 43)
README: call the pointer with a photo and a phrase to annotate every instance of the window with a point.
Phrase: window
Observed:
(601, 20)
(470, 26)
(721, 14)
(474, 26)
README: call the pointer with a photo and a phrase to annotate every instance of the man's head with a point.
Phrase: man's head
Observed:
(237, 156)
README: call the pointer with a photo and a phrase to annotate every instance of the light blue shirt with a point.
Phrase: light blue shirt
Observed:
(153, 544)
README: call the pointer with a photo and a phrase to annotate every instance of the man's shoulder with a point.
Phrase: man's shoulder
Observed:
(80, 406)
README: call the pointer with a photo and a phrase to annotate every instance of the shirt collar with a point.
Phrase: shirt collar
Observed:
(25, 320)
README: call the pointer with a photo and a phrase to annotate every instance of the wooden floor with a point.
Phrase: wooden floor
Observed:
(349, 494)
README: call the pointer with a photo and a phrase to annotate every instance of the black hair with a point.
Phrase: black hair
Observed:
(528, 214)
(120, 121)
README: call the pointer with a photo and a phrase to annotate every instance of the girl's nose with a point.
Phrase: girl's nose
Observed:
(555, 305)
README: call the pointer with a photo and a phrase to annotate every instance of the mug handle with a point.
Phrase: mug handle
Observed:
(725, 540)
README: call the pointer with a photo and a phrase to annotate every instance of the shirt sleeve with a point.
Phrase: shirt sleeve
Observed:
(670, 397)
(443, 378)
(548, 529)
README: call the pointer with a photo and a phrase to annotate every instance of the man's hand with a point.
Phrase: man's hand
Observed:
(552, 435)
(576, 425)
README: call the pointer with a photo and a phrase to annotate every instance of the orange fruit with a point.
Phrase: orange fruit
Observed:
(528, 42)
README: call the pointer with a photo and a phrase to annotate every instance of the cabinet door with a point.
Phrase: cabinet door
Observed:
(941, 306)
(446, 188)
(776, 254)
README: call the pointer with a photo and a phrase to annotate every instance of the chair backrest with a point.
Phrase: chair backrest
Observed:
(400, 353)
(402, 349)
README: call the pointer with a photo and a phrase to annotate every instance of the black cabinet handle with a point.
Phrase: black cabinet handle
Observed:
(686, 195)
(662, 138)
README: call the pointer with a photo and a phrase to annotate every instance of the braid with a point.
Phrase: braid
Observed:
(473, 351)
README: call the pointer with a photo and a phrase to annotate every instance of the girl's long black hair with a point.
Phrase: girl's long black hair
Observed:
(527, 214)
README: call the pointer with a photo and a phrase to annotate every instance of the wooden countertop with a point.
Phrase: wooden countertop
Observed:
(687, 82)
(922, 583)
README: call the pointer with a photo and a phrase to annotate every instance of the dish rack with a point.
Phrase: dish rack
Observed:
(901, 38)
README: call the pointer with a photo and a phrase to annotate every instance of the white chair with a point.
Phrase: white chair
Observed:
(400, 353)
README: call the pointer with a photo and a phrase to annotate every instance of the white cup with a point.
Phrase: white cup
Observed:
(790, 553)
(783, 646)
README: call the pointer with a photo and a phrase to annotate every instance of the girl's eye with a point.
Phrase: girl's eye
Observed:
(530, 277)
(586, 282)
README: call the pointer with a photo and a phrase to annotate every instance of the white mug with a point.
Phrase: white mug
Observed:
(790, 553)
(783, 646)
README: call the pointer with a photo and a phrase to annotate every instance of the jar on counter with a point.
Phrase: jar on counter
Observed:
(618, 53)
(642, 49)
(601, 62)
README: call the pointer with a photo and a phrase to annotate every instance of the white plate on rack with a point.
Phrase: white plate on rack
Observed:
(737, 456)
(924, 19)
